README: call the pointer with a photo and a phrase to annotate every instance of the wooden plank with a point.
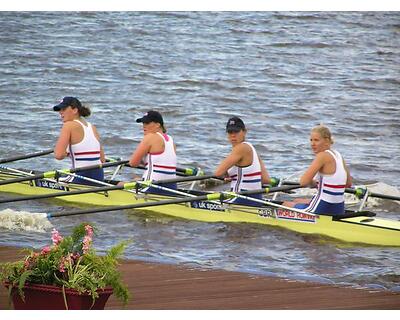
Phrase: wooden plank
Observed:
(174, 287)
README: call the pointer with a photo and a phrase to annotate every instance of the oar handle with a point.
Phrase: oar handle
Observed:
(186, 179)
(26, 156)
(360, 192)
(179, 171)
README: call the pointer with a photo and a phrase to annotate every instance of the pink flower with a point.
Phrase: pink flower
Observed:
(56, 237)
(64, 261)
(45, 250)
(86, 244)
(76, 256)
(87, 240)
(61, 267)
(89, 230)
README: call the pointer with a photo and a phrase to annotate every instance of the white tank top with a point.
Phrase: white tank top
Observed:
(246, 178)
(161, 166)
(331, 187)
(87, 152)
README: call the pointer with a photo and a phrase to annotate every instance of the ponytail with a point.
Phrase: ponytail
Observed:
(84, 111)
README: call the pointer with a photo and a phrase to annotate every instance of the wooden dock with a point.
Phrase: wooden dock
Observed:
(173, 287)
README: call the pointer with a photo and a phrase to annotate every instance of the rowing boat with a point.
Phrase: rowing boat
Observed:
(355, 227)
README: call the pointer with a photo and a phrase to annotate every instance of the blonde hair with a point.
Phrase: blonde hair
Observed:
(324, 132)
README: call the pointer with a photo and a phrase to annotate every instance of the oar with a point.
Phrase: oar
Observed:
(52, 174)
(27, 156)
(359, 192)
(179, 170)
(125, 186)
(208, 197)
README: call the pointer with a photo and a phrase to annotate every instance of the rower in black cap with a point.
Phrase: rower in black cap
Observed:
(157, 152)
(79, 140)
(242, 167)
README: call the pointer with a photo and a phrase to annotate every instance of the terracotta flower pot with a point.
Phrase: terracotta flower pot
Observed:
(48, 297)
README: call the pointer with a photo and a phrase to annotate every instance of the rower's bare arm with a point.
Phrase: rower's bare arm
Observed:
(349, 180)
(60, 149)
(227, 163)
(315, 166)
(142, 149)
(265, 179)
(102, 155)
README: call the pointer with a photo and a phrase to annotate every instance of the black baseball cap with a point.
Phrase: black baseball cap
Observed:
(235, 124)
(66, 102)
(151, 116)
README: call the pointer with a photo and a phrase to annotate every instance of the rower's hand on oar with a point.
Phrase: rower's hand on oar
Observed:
(273, 181)
(134, 178)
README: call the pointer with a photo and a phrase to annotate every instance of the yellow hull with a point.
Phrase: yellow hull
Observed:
(362, 229)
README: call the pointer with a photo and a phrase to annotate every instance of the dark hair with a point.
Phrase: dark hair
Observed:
(84, 111)
(74, 103)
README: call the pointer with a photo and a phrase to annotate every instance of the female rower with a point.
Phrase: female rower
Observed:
(79, 140)
(331, 176)
(156, 151)
(242, 167)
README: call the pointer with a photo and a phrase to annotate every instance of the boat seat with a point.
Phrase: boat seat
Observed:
(353, 214)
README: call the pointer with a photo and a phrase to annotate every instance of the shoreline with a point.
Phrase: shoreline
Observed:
(156, 286)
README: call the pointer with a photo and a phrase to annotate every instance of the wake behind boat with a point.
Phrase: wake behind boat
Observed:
(355, 227)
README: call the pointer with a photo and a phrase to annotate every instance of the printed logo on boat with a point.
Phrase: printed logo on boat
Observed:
(50, 185)
(267, 213)
(295, 216)
(205, 205)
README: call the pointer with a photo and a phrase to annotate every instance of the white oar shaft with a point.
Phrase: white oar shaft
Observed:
(143, 183)
(16, 171)
(178, 192)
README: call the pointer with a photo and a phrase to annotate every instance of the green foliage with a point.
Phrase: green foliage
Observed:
(70, 262)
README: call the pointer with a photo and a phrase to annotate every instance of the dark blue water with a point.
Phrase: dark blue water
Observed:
(283, 73)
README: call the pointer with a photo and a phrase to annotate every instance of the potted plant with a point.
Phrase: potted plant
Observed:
(66, 275)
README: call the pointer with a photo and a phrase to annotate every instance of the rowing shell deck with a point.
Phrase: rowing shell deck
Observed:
(361, 229)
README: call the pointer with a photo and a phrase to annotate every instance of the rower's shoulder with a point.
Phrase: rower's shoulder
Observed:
(71, 125)
(325, 156)
(152, 137)
(244, 146)
(241, 149)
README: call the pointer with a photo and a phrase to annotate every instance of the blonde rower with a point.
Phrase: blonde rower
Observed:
(328, 172)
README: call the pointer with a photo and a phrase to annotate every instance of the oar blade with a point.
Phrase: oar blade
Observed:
(26, 156)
